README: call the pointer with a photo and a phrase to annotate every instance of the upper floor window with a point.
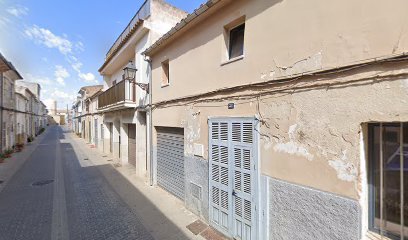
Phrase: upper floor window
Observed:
(236, 41)
(11, 90)
(165, 73)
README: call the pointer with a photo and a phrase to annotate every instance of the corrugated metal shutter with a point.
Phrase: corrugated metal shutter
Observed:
(170, 160)
(96, 132)
(233, 177)
(103, 136)
(111, 137)
(132, 144)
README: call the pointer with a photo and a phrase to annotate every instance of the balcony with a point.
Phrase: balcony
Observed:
(120, 96)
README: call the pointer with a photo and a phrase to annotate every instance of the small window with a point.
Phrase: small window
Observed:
(236, 41)
(113, 82)
(165, 73)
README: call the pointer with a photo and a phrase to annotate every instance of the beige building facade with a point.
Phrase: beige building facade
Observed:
(285, 119)
(21, 119)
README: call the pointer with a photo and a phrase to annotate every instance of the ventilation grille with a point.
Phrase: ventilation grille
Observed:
(195, 191)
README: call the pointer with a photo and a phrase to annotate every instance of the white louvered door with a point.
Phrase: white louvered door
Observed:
(233, 177)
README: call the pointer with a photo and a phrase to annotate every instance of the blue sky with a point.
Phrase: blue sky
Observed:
(62, 44)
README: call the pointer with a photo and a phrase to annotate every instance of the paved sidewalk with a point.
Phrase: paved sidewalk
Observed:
(11, 165)
(163, 215)
(55, 194)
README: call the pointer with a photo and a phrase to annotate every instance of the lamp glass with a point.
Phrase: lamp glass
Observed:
(130, 71)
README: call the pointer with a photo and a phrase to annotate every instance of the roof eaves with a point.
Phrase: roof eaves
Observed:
(180, 25)
(10, 66)
(122, 43)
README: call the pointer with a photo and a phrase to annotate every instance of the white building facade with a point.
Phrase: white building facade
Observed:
(124, 128)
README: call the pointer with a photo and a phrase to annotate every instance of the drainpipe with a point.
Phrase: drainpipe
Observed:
(1, 112)
(150, 124)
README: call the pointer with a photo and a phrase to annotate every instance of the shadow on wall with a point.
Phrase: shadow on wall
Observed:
(115, 207)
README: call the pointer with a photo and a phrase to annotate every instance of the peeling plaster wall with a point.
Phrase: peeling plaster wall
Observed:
(308, 136)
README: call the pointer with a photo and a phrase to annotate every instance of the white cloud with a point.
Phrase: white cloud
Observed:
(47, 38)
(79, 46)
(88, 77)
(4, 21)
(77, 65)
(17, 11)
(44, 81)
(58, 94)
(61, 74)
(49, 103)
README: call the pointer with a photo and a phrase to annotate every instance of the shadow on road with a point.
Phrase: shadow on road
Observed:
(115, 209)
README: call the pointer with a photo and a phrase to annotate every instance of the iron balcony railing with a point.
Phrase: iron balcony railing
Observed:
(124, 91)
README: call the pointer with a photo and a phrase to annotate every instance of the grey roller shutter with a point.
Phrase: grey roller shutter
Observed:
(96, 133)
(132, 144)
(170, 160)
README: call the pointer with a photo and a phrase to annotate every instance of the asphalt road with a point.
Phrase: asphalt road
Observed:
(55, 195)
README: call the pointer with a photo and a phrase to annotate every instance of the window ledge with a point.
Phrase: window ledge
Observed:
(375, 236)
(165, 85)
(232, 60)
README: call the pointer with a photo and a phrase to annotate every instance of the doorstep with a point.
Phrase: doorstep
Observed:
(178, 220)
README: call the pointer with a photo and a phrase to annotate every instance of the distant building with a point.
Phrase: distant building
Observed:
(57, 116)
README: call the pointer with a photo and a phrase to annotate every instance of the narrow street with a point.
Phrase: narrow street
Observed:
(56, 195)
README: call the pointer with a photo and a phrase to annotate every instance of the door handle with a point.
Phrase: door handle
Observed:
(234, 193)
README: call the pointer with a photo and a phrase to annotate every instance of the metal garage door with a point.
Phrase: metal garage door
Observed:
(170, 160)
(233, 177)
(110, 125)
(132, 144)
(103, 136)
(96, 137)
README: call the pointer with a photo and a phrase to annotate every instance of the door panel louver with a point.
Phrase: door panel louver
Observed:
(232, 177)
(224, 131)
(215, 131)
(236, 132)
(247, 132)
(224, 155)
(216, 196)
(237, 181)
(224, 176)
(216, 173)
